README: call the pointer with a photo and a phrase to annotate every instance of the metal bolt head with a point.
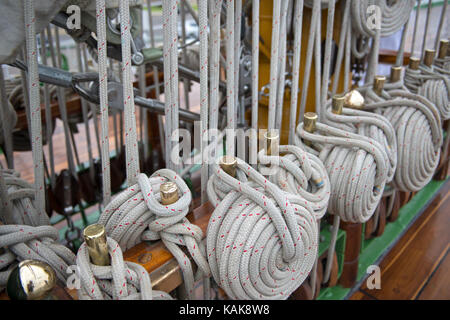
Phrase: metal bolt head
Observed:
(414, 63)
(169, 193)
(429, 57)
(95, 237)
(228, 164)
(272, 142)
(309, 122)
(378, 84)
(443, 48)
(31, 280)
(396, 73)
(337, 103)
(354, 100)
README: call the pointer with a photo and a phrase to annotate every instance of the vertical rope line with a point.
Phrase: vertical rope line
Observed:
(276, 15)
(318, 63)
(84, 113)
(231, 116)
(131, 149)
(184, 54)
(298, 24)
(103, 90)
(6, 125)
(401, 50)
(156, 80)
(327, 55)
(373, 57)
(281, 67)
(255, 66)
(167, 81)
(441, 24)
(340, 55)
(309, 52)
(6, 215)
(35, 106)
(348, 49)
(48, 116)
(416, 25)
(427, 24)
(203, 35)
(237, 50)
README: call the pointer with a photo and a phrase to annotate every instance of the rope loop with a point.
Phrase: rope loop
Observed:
(121, 280)
(356, 166)
(34, 243)
(137, 215)
(261, 241)
(302, 174)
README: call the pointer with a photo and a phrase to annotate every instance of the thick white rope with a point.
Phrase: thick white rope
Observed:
(203, 35)
(255, 79)
(231, 114)
(35, 106)
(261, 241)
(136, 215)
(122, 280)
(103, 93)
(8, 120)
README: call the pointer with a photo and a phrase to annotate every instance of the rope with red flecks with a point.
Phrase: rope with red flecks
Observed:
(122, 280)
(261, 241)
(136, 215)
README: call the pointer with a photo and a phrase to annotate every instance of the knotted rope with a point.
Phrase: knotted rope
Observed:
(122, 280)
(357, 169)
(137, 215)
(417, 125)
(432, 85)
(261, 241)
(300, 173)
(35, 243)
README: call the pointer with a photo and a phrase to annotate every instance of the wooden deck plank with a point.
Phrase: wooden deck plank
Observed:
(438, 286)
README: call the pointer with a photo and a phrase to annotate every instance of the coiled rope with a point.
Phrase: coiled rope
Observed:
(417, 125)
(136, 215)
(121, 280)
(261, 241)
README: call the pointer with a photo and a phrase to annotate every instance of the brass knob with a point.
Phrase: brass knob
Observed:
(272, 142)
(414, 63)
(228, 164)
(443, 48)
(429, 57)
(337, 104)
(354, 100)
(31, 280)
(95, 237)
(378, 84)
(169, 193)
(309, 122)
(396, 73)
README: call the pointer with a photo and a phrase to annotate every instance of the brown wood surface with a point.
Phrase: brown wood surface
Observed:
(417, 266)
(351, 254)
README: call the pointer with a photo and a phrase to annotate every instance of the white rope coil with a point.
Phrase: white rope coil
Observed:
(301, 173)
(261, 241)
(121, 280)
(35, 243)
(419, 137)
(394, 14)
(136, 215)
(357, 169)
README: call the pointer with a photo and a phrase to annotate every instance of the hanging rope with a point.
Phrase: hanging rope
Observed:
(122, 280)
(261, 241)
(137, 215)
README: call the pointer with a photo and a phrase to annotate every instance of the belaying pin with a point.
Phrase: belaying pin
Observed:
(95, 237)
(414, 63)
(228, 164)
(396, 72)
(378, 84)
(169, 193)
(429, 57)
(337, 103)
(272, 142)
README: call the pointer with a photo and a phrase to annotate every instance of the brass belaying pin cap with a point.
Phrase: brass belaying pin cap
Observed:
(414, 63)
(396, 73)
(337, 103)
(31, 280)
(95, 237)
(429, 57)
(443, 48)
(354, 100)
(272, 142)
(378, 84)
(169, 193)
(309, 122)
(228, 164)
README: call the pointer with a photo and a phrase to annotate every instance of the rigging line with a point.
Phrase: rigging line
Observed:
(255, 66)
